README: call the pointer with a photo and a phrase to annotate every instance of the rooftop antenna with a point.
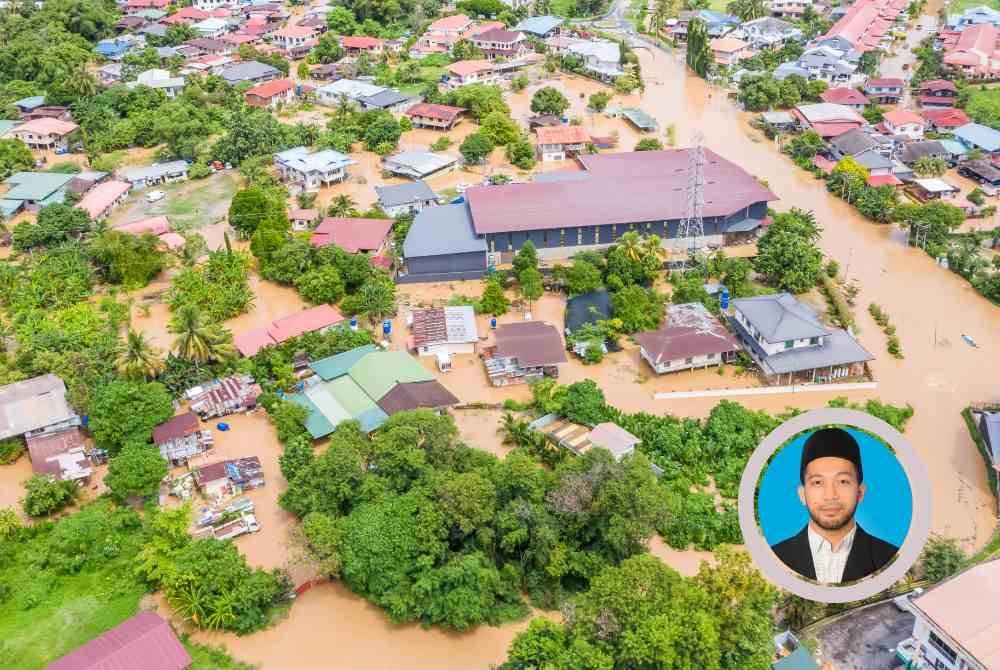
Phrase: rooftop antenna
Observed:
(692, 226)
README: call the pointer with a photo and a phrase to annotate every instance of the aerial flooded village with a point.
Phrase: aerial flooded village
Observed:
(440, 334)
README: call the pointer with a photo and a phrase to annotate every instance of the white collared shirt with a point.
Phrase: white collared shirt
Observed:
(830, 562)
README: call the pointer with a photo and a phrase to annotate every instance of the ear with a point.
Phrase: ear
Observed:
(862, 489)
(802, 495)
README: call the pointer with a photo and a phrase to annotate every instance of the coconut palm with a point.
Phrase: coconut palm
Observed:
(652, 246)
(378, 300)
(342, 206)
(631, 245)
(197, 341)
(139, 360)
(747, 10)
(188, 597)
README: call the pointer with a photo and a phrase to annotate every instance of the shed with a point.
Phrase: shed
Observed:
(418, 164)
(60, 454)
(178, 438)
(640, 119)
(614, 438)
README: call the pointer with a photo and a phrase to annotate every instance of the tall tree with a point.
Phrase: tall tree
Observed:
(699, 51)
(139, 361)
(197, 341)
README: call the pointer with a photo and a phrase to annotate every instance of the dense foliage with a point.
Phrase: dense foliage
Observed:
(787, 252)
(44, 496)
(126, 412)
(434, 531)
(220, 287)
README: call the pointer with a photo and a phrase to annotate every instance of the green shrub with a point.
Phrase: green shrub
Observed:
(45, 496)
(11, 450)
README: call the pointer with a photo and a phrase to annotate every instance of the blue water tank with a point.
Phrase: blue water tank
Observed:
(354, 323)
(386, 326)
(493, 323)
(724, 299)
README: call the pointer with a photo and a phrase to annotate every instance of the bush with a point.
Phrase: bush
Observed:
(11, 450)
(832, 269)
(45, 496)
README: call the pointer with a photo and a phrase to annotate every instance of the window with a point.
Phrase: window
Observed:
(562, 237)
(510, 242)
(689, 361)
(789, 344)
(493, 245)
(711, 356)
(813, 340)
(579, 236)
(597, 234)
(614, 232)
(942, 647)
(545, 238)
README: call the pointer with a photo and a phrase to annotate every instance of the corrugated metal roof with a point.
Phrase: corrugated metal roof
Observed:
(405, 397)
(334, 366)
(145, 641)
(780, 317)
(377, 372)
(443, 230)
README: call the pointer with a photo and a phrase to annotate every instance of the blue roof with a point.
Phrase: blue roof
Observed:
(316, 423)
(442, 231)
(712, 17)
(109, 48)
(539, 25)
(953, 147)
(979, 136)
(30, 103)
(797, 660)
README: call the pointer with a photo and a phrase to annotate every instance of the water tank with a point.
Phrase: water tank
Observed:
(354, 323)
(724, 299)
(386, 326)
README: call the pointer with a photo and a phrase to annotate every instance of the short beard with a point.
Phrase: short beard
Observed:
(837, 525)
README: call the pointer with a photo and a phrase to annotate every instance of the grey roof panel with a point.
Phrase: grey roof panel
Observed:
(838, 349)
(442, 230)
(387, 98)
(401, 194)
(780, 317)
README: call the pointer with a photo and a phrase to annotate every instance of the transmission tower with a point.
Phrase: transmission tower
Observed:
(692, 226)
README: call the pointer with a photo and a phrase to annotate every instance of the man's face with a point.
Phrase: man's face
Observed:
(831, 492)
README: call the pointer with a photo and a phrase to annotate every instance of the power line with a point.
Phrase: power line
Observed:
(692, 226)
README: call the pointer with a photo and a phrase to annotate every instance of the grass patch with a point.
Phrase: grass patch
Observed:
(204, 657)
(991, 474)
(959, 6)
(191, 205)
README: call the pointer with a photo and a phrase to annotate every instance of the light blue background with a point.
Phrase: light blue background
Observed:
(885, 512)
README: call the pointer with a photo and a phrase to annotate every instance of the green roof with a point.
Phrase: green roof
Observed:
(350, 396)
(317, 424)
(6, 125)
(378, 372)
(36, 186)
(639, 118)
(337, 365)
(797, 660)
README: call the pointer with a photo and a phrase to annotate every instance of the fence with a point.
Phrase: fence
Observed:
(766, 390)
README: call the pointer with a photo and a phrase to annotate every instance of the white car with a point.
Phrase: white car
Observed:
(154, 196)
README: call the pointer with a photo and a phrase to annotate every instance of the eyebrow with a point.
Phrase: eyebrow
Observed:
(836, 474)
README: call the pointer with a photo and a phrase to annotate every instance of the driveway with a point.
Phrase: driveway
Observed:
(865, 640)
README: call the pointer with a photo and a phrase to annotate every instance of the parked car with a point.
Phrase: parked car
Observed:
(251, 523)
(154, 196)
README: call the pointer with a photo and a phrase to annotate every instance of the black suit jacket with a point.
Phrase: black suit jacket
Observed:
(868, 554)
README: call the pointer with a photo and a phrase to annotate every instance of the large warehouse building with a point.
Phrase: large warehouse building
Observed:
(567, 212)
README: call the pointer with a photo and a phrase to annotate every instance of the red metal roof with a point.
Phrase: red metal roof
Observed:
(352, 235)
(463, 68)
(532, 343)
(431, 111)
(360, 42)
(834, 129)
(886, 82)
(899, 117)
(883, 180)
(282, 330)
(843, 96)
(154, 225)
(269, 89)
(674, 343)
(497, 35)
(621, 188)
(181, 425)
(945, 118)
(562, 135)
(939, 85)
(145, 641)
(99, 198)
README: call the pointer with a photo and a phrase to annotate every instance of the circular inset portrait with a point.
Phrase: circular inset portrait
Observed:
(834, 504)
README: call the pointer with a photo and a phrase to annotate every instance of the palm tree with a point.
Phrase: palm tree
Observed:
(631, 245)
(139, 360)
(188, 598)
(341, 206)
(378, 300)
(652, 246)
(747, 10)
(197, 341)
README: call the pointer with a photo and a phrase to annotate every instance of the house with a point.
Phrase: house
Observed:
(974, 53)
(110, 74)
(933, 189)
(160, 80)
(144, 641)
(209, 65)
(443, 332)
(914, 151)
(315, 319)
(523, 352)
(973, 16)
(614, 438)
(187, 16)
(179, 438)
(938, 93)
(355, 45)
(388, 99)
(135, 6)
(614, 193)
(45, 134)
(821, 63)
(827, 119)
(367, 385)
(33, 190)
(943, 120)
(438, 117)
(27, 105)
(325, 72)
(884, 90)
(114, 49)
(103, 198)
(456, 24)
(60, 455)
(976, 136)
(782, 121)
(879, 168)
(499, 43)
(296, 41)
(989, 430)
(981, 171)
(220, 397)
(540, 26)
(903, 122)
(691, 338)
(158, 226)
(407, 198)
(347, 90)
(464, 72)
(601, 58)
(786, 339)
(717, 23)
(954, 624)
(865, 25)
(35, 406)
(312, 170)
(250, 70)
(851, 143)
(245, 473)
(418, 164)
(769, 33)
(843, 95)
(211, 27)
(789, 8)
(213, 481)
(729, 50)
(353, 235)
(210, 45)
(640, 119)
(271, 94)
(555, 143)
(153, 175)
(302, 219)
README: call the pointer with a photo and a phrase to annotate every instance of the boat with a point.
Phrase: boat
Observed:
(968, 340)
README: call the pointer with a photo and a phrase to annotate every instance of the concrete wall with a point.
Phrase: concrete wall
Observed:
(681, 363)
(467, 262)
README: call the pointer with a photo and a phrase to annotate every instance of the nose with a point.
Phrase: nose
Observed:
(831, 491)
